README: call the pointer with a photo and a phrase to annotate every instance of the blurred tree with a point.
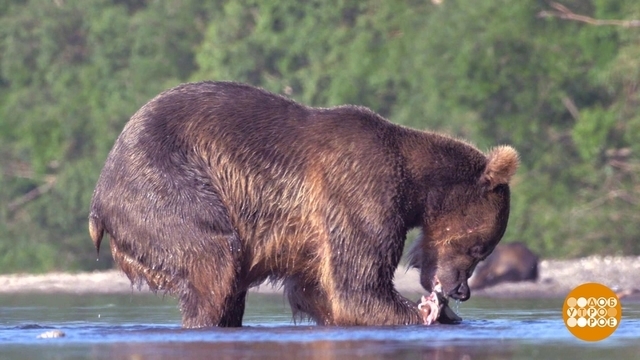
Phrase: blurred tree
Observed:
(72, 73)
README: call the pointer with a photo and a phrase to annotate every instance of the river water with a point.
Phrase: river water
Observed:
(146, 326)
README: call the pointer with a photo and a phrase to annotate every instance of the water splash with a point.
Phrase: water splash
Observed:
(51, 334)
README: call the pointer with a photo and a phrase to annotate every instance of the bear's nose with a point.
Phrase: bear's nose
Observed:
(461, 292)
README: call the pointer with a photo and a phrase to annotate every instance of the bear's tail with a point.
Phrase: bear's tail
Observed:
(96, 230)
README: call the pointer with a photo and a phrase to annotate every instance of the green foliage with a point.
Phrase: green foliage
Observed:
(564, 93)
(72, 72)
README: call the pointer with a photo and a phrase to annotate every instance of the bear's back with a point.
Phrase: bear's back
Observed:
(241, 118)
(249, 147)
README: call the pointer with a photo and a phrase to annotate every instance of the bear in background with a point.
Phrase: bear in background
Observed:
(214, 187)
(510, 262)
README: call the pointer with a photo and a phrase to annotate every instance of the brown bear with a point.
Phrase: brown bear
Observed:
(511, 262)
(215, 187)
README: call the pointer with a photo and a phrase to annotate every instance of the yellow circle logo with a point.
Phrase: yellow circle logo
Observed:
(592, 312)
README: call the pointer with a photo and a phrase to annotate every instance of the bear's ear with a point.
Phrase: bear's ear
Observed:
(502, 163)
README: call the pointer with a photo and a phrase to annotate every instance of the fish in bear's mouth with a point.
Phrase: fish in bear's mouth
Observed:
(435, 307)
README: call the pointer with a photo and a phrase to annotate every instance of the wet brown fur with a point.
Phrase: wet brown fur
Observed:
(214, 187)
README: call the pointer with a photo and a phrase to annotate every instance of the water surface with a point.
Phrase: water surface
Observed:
(146, 326)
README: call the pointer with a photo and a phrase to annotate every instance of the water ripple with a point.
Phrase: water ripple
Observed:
(117, 327)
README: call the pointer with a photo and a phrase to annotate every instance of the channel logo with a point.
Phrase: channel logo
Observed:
(592, 312)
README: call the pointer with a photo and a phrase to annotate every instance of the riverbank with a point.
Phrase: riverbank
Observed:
(557, 278)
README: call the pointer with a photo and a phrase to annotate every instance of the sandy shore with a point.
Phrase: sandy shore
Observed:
(557, 278)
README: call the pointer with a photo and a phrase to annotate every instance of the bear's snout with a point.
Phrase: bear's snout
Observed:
(461, 292)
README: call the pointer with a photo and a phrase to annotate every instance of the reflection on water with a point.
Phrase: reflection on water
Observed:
(148, 327)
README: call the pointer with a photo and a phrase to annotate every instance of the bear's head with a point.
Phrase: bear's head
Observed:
(463, 225)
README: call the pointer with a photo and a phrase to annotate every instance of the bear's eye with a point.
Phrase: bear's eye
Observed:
(477, 251)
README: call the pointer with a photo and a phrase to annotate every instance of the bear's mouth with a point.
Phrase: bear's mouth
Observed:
(438, 296)
(447, 314)
(435, 307)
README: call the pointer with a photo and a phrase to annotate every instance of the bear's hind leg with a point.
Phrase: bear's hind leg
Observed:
(138, 272)
(209, 294)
